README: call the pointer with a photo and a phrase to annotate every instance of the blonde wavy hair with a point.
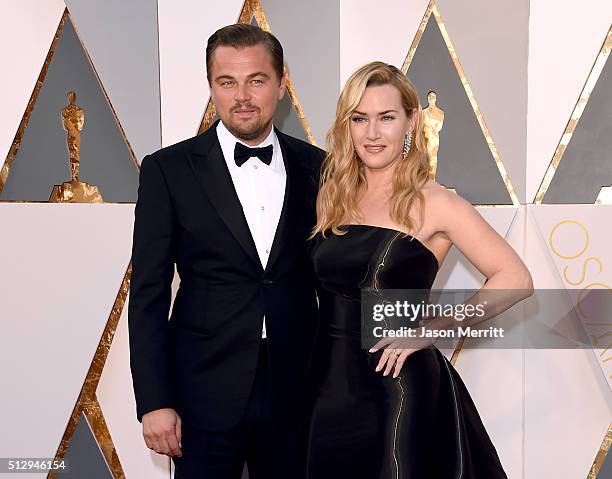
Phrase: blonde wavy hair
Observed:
(343, 175)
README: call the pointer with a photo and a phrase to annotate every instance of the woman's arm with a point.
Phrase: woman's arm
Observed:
(462, 224)
(480, 243)
(489, 252)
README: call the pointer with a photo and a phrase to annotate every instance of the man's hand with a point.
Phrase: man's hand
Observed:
(162, 431)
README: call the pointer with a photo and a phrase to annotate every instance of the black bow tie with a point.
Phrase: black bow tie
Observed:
(242, 153)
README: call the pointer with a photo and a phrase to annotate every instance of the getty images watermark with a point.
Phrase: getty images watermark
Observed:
(490, 318)
(416, 314)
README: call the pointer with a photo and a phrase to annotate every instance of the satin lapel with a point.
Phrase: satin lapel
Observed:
(211, 171)
(290, 214)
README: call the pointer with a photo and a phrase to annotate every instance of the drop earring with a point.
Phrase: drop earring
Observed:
(407, 145)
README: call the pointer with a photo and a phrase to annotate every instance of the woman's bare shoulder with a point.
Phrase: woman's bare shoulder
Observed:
(438, 195)
(444, 206)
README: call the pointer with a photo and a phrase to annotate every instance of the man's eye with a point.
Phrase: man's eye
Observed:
(257, 82)
(226, 83)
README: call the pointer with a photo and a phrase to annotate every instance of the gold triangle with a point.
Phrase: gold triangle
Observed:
(8, 163)
(87, 402)
(600, 457)
(433, 9)
(583, 99)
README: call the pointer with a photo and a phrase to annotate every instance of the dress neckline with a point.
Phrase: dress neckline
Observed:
(419, 242)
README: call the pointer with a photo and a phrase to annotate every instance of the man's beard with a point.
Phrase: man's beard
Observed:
(248, 131)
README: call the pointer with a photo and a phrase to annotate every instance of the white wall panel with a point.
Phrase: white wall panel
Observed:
(61, 271)
(568, 403)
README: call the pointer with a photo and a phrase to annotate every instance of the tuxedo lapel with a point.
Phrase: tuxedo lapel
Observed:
(211, 171)
(294, 193)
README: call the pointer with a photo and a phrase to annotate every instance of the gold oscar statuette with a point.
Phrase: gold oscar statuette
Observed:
(74, 191)
(433, 117)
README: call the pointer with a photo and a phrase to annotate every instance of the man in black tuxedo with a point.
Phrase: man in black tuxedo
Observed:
(222, 382)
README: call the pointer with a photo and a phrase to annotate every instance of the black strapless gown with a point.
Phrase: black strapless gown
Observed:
(422, 424)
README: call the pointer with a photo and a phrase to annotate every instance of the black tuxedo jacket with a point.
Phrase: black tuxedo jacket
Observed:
(202, 361)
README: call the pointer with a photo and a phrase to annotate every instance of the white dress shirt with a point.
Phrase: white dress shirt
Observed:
(260, 189)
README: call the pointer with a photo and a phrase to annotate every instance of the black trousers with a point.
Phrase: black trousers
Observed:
(271, 446)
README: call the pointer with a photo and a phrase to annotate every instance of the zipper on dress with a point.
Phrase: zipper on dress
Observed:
(396, 428)
(381, 260)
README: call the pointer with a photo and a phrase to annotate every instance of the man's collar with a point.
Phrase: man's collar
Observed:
(228, 141)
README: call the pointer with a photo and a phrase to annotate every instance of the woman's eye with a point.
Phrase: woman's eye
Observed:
(388, 118)
(358, 119)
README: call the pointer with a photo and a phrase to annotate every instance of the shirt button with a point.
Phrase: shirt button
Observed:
(262, 208)
(255, 166)
(267, 251)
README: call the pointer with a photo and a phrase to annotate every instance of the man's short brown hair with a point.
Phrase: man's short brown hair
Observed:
(241, 35)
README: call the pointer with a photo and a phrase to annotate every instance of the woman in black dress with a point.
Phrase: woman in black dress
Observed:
(393, 412)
